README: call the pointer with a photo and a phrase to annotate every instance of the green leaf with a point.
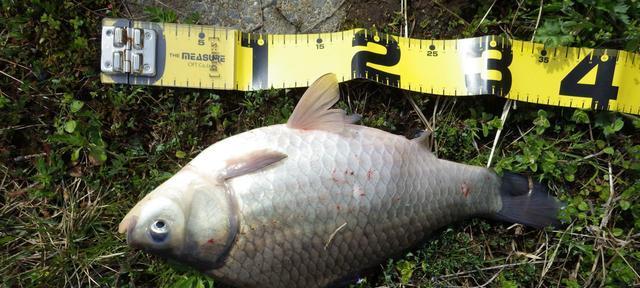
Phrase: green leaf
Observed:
(609, 150)
(624, 205)
(183, 282)
(570, 177)
(570, 283)
(72, 139)
(80, 43)
(75, 106)
(579, 116)
(617, 126)
(70, 126)
(3, 101)
(583, 206)
(76, 154)
(406, 269)
(97, 154)
(180, 154)
(617, 232)
(215, 110)
(552, 34)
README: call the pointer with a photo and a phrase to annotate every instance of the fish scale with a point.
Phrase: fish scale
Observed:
(312, 202)
(289, 212)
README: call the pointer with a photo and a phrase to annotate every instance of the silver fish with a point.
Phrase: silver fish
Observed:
(312, 202)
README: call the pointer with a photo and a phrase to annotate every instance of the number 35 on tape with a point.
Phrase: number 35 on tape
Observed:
(207, 57)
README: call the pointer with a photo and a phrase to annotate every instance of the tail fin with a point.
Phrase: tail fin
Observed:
(527, 202)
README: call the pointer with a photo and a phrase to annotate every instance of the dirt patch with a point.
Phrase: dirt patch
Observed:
(426, 19)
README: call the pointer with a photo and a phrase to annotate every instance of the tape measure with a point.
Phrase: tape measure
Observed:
(207, 57)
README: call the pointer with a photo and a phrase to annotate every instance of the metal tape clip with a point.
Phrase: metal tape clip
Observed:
(127, 50)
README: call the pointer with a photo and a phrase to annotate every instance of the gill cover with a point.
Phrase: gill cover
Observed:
(193, 217)
(187, 218)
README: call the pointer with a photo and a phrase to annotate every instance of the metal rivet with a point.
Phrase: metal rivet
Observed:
(109, 32)
(146, 67)
(147, 35)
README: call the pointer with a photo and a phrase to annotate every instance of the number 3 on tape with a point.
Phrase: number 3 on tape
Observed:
(601, 79)
(496, 66)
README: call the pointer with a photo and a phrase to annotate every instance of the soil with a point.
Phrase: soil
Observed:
(426, 19)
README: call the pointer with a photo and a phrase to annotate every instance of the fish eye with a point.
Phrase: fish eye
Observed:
(159, 230)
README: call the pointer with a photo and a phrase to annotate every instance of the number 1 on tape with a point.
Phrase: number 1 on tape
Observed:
(206, 57)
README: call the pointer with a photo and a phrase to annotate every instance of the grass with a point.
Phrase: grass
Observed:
(75, 154)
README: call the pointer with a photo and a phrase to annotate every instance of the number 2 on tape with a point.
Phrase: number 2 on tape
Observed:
(360, 59)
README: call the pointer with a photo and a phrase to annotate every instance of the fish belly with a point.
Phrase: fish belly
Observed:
(341, 203)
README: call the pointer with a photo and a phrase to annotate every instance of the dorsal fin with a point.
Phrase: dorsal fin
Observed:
(313, 110)
(251, 162)
(423, 137)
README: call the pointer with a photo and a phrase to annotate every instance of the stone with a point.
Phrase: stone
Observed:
(264, 16)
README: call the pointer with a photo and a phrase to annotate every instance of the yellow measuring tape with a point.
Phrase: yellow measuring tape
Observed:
(207, 57)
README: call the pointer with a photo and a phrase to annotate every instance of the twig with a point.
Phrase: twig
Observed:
(604, 267)
(403, 9)
(14, 78)
(333, 235)
(515, 15)
(552, 259)
(593, 155)
(503, 119)
(433, 142)
(490, 279)
(20, 127)
(27, 157)
(485, 15)
(450, 12)
(419, 112)
(110, 255)
(628, 264)
(593, 269)
(6, 171)
(17, 64)
(631, 117)
(537, 21)
(607, 206)
(487, 268)
(172, 8)
(126, 8)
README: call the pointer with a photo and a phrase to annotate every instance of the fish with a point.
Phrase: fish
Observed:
(315, 201)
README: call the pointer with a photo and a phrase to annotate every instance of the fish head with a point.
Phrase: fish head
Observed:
(187, 218)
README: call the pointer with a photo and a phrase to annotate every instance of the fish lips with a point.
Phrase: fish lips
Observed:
(130, 227)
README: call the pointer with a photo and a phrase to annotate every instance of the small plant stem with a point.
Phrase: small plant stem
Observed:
(487, 268)
(326, 245)
(503, 119)
(533, 35)
(485, 15)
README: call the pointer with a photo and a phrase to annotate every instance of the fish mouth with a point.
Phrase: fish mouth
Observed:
(127, 226)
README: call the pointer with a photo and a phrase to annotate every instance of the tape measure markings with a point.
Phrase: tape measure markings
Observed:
(579, 77)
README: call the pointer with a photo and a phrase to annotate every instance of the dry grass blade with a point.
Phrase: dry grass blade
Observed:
(326, 245)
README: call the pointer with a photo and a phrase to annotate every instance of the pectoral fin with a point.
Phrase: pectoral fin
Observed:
(250, 163)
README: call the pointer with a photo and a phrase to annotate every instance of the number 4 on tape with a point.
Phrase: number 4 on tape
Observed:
(148, 53)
